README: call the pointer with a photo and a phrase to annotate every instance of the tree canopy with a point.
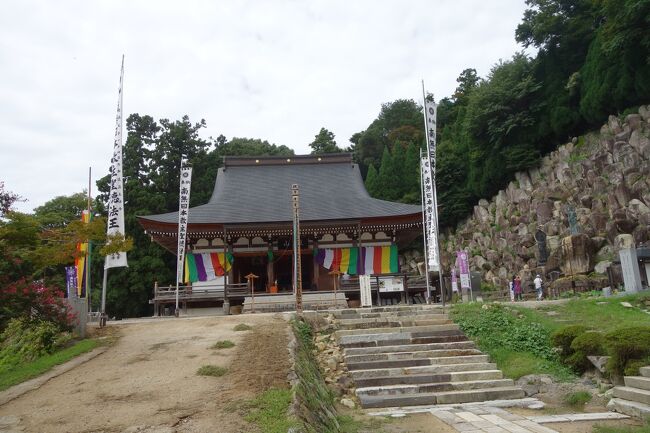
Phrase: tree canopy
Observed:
(593, 60)
(324, 143)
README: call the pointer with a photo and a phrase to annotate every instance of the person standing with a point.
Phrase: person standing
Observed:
(517, 289)
(539, 287)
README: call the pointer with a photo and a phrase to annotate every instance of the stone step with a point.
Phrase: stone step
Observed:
(632, 394)
(354, 351)
(400, 329)
(348, 312)
(391, 323)
(434, 387)
(644, 371)
(460, 376)
(392, 356)
(448, 397)
(631, 408)
(426, 369)
(391, 314)
(400, 338)
(639, 382)
(417, 362)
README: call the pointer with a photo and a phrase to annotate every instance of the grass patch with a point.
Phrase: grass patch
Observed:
(26, 371)
(517, 364)
(604, 314)
(223, 344)
(211, 370)
(243, 327)
(269, 411)
(518, 338)
(599, 428)
(577, 399)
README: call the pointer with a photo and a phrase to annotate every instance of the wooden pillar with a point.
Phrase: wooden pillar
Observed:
(315, 274)
(270, 272)
(156, 306)
(230, 272)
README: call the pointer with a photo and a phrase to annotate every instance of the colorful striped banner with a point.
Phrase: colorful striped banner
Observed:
(360, 261)
(353, 266)
(80, 260)
(345, 260)
(206, 266)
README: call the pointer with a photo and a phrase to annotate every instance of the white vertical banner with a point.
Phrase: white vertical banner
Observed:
(428, 207)
(365, 289)
(115, 223)
(183, 217)
(430, 113)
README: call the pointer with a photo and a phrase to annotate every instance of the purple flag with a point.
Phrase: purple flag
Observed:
(71, 279)
(200, 267)
(463, 265)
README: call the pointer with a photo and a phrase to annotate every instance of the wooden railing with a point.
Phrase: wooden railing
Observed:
(198, 293)
(166, 294)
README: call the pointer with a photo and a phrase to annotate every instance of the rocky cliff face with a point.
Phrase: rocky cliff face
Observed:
(602, 178)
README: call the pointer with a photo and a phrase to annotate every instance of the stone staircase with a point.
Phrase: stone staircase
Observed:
(634, 398)
(415, 355)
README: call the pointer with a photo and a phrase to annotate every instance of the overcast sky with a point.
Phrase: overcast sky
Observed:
(275, 70)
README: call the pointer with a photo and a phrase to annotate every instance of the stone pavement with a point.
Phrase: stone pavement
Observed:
(488, 419)
(475, 418)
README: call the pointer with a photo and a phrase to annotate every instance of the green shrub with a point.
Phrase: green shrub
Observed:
(211, 370)
(243, 327)
(632, 367)
(563, 338)
(223, 344)
(25, 340)
(577, 399)
(585, 344)
(625, 346)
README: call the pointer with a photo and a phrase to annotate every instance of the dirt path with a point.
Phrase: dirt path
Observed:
(146, 382)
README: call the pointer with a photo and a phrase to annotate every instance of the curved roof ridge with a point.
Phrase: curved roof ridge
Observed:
(250, 192)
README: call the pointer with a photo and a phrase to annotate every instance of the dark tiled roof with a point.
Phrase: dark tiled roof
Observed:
(247, 191)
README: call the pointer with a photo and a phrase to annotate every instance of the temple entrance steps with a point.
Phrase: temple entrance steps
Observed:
(415, 355)
(634, 398)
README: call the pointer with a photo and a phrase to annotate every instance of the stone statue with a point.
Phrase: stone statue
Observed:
(573, 220)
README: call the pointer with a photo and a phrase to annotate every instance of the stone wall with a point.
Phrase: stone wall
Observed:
(604, 176)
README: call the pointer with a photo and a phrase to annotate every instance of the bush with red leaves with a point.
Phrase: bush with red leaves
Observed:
(34, 300)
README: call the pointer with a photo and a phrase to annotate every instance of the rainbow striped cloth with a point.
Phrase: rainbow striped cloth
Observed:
(206, 266)
(359, 260)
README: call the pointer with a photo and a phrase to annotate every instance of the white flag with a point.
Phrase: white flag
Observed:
(430, 217)
(115, 221)
(430, 112)
(183, 218)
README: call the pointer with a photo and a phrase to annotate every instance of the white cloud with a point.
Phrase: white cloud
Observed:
(276, 70)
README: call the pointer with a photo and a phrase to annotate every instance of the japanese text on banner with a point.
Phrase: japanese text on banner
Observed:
(183, 218)
(115, 222)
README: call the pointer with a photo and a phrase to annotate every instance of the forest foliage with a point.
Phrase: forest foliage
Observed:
(591, 58)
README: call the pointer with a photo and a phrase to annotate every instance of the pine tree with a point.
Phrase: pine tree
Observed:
(371, 181)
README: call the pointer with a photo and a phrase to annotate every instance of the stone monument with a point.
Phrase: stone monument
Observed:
(630, 269)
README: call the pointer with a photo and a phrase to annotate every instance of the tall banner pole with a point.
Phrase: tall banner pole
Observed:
(423, 167)
(297, 271)
(90, 247)
(115, 221)
(183, 218)
(430, 112)
(297, 266)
